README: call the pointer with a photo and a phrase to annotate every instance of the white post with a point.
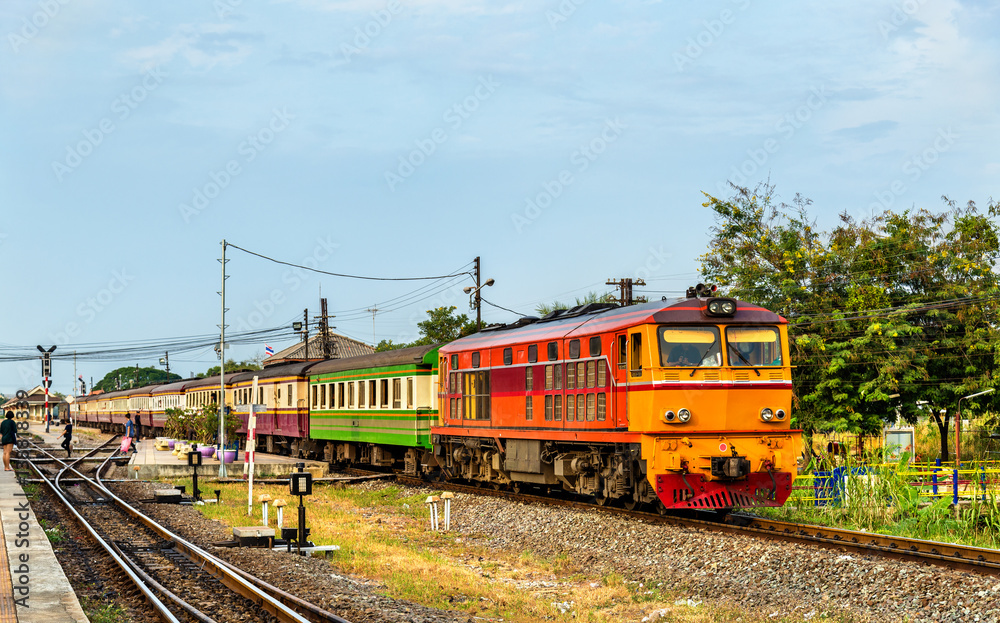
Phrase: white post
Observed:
(264, 499)
(251, 446)
(447, 497)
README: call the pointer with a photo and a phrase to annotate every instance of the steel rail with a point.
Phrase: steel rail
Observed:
(229, 574)
(165, 614)
(214, 566)
(963, 557)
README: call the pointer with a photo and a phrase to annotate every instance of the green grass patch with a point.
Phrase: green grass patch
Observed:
(101, 612)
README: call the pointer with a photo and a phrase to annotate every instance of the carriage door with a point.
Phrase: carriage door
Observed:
(619, 371)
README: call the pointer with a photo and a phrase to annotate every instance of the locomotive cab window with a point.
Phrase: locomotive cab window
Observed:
(690, 347)
(753, 346)
(635, 358)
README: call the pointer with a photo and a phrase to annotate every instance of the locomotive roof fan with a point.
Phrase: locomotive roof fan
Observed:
(717, 306)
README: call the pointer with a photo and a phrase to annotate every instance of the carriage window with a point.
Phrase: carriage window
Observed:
(361, 394)
(601, 407)
(340, 395)
(409, 393)
(548, 377)
(397, 393)
(580, 376)
(529, 378)
(574, 349)
(635, 361)
(689, 346)
(570, 407)
(508, 356)
(289, 394)
(558, 376)
(558, 408)
(384, 391)
(570, 376)
(532, 353)
(315, 394)
(528, 407)
(753, 346)
(580, 407)
(591, 373)
(548, 408)
(602, 374)
(371, 394)
(595, 346)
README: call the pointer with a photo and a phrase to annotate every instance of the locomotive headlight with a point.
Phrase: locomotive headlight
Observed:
(766, 414)
(669, 416)
(721, 307)
(683, 415)
(780, 414)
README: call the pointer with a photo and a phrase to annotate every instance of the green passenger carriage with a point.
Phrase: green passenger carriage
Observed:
(375, 409)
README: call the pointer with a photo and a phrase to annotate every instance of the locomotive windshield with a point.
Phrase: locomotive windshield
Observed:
(690, 347)
(753, 346)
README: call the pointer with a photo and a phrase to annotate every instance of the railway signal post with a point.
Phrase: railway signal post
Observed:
(46, 383)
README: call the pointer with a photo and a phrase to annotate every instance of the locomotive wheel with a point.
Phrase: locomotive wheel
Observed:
(629, 503)
(601, 500)
(660, 508)
(516, 487)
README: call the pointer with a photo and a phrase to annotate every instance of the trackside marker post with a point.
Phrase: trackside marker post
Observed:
(251, 447)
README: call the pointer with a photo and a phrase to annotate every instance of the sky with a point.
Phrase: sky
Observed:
(564, 142)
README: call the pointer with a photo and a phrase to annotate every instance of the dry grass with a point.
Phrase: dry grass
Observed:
(384, 536)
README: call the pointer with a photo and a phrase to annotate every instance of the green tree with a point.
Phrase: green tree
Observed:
(441, 326)
(134, 376)
(883, 313)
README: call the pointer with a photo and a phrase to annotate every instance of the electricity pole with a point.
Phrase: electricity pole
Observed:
(624, 285)
(373, 310)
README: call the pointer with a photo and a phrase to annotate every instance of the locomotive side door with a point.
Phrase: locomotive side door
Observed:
(619, 372)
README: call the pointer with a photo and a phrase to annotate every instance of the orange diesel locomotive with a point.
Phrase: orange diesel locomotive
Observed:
(682, 405)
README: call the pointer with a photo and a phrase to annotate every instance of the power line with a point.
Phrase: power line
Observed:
(323, 272)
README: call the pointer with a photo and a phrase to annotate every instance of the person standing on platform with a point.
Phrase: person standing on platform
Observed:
(8, 437)
(67, 443)
(130, 431)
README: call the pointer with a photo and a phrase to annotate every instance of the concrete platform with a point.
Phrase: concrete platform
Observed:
(35, 583)
(156, 464)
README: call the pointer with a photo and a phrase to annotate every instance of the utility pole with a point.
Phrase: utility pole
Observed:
(624, 285)
(373, 309)
(305, 331)
(324, 331)
(165, 361)
(76, 390)
(479, 305)
(222, 370)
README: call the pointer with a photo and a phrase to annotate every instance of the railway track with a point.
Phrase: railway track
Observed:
(961, 557)
(179, 580)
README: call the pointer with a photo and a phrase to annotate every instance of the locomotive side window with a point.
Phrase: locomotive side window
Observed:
(622, 351)
(529, 379)
(690, 347)
(591, 373)
(532, 353)
(475, 359)
(753, 346)
(574, 349)
(602, 407)
(570, 408)
(558, 376)
(552, 349)
(602, 374)
(580, 376)
(558, 408)
(570, 376)
(508, 356)
(548, 408)
(454, 362)
(580, 407)
(528, 407)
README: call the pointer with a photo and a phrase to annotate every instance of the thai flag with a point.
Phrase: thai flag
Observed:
(268, 351)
